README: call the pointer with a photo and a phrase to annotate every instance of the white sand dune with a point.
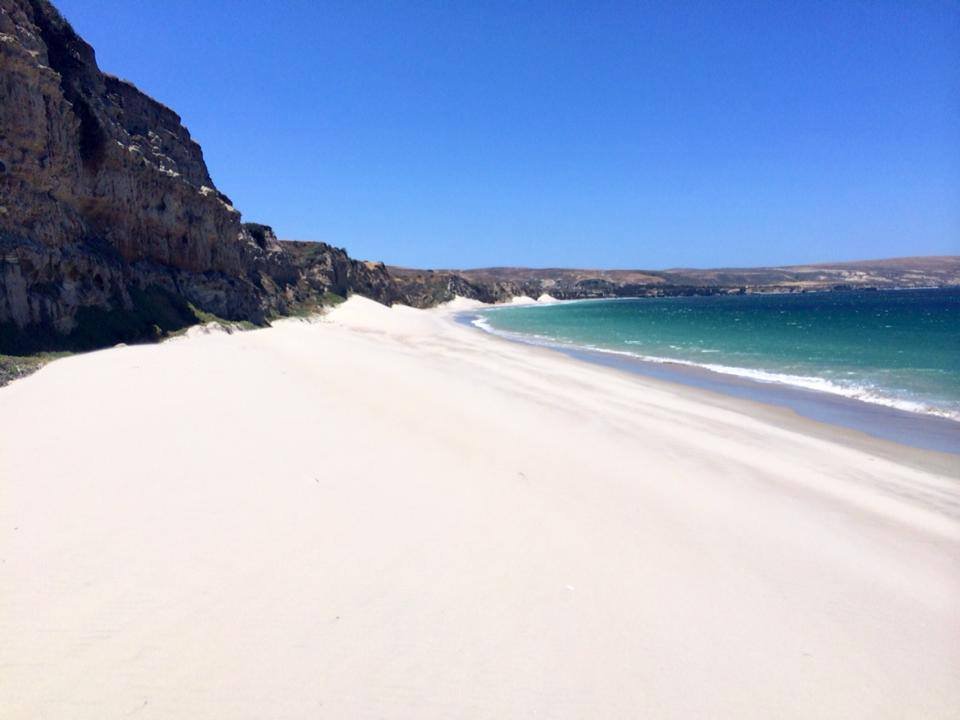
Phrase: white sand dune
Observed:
(387, 515)
(521, 300)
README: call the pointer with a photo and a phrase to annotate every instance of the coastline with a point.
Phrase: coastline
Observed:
(882, 420)
(385, 513)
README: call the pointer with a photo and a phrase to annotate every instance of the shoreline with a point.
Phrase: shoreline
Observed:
(382, 513)
(776, 412)
(924, 431)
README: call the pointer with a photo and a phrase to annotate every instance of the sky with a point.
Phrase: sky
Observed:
(577, 134)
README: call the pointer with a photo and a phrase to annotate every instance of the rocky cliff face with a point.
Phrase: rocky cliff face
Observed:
(106, 206)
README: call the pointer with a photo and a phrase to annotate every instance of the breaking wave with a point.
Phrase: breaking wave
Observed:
(855, 391)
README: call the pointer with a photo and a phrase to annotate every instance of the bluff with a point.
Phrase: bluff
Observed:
(111, 228)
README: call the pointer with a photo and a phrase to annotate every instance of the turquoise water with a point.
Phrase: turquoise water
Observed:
(895, 348)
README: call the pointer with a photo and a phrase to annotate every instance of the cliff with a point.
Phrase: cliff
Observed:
(111, 228)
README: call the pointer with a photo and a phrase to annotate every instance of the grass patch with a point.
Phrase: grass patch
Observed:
(13, 367)
(203, 317)
(315, 306)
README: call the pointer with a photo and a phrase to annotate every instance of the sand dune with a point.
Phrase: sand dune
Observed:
(385, 514)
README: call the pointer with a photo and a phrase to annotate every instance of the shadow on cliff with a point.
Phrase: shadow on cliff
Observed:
(155, 313)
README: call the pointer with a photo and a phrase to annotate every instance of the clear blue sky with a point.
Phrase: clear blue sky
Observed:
(642, 134)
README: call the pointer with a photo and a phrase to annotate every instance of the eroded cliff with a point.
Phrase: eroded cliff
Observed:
(110, 225)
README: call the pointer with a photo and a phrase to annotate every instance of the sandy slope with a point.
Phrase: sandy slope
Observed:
(387, 515)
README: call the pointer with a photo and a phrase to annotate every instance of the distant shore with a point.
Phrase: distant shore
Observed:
(382, 513)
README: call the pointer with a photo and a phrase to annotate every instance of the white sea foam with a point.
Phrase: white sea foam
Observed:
(854, 391)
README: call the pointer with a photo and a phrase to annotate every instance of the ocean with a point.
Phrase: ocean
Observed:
(897, 349)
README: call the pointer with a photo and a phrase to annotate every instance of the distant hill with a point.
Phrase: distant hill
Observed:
(426, 287)
(935, 271)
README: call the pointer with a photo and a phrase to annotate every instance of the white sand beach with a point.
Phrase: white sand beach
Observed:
(384, 514)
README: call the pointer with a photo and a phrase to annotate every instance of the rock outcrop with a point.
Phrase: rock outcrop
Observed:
(110, 225)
